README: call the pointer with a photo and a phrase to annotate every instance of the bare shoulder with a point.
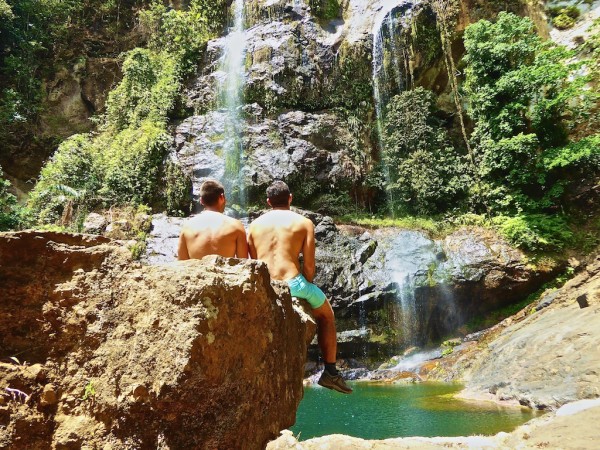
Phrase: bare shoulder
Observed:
(232, 223)
(306, 222)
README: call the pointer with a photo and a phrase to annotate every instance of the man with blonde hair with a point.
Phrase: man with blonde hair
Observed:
(211, 232)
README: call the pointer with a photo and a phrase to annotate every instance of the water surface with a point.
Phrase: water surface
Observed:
(386, 411)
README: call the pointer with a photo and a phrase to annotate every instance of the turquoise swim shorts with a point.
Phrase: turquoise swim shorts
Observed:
(301, 288)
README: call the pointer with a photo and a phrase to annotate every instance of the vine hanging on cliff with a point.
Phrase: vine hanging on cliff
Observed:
(446, 12)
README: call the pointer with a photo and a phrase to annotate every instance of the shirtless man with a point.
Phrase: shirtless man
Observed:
(211, 232)
(278, 237)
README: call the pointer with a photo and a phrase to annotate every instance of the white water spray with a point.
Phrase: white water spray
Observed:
(230, 100)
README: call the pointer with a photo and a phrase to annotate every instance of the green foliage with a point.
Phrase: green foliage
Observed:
(333, 203)
(177, 189)
(583, 154)
(125, 162)
(148, 89)
(563, 22)
(70, 176)
(564, 17)
(535, 232)
(131, 163)
(429, 225)
(12, 215)
(6, 11)
(521, 92)
(89, 392)
(325, 9)
(37, 37)
(183, 34)
(425, 172)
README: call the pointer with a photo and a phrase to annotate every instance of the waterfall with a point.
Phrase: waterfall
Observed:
(388, 71)
(230, 101)
(389, 79)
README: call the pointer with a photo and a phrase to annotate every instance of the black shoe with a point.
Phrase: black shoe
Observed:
(335, 382)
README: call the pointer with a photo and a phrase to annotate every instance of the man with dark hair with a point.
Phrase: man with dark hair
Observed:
(211, 232)
(278, 237)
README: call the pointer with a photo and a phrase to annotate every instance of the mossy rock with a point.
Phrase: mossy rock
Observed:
(563, 22)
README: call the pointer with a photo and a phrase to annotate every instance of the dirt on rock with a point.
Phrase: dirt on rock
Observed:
(98, 351)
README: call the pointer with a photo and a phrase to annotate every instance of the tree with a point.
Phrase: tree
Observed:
(426, 175)
(521, 91)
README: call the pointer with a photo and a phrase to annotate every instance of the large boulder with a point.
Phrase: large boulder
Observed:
(110, 354)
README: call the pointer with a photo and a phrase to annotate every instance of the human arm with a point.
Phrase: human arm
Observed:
(182, 250)
(241, 245)
(251, 247)
(308, 252)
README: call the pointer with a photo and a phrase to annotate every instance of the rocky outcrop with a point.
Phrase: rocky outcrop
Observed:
(284, 147)
(548, 358)
(100, 352)
(394, 288)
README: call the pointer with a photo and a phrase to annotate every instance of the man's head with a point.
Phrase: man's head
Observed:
(212, 195)
(278, 195)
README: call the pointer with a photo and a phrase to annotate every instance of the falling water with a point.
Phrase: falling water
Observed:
(388, 72)
(389, 79)
(407, 262)
(230, 101)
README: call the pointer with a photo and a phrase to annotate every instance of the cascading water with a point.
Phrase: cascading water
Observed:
(230, 101)
(388, 71)
(407, 262)
(389, 79)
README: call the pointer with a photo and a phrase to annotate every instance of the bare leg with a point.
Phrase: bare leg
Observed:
(326, 331)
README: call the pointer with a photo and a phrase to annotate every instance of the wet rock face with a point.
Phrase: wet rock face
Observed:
(292, 80)
(290, 145)
(551, 357)
(395, 288)
(189, 355)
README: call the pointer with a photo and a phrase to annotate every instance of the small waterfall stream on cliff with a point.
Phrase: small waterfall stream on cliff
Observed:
(388, 73)
(230, 100)
(407, 263)
(389, 78)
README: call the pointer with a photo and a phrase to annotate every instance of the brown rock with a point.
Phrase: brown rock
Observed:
(49, 396)
(194, 354)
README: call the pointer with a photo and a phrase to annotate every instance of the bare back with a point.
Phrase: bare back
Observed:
(212, 233)
(278, 237)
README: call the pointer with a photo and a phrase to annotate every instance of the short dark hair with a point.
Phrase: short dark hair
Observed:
(278, 193)
(210, 191)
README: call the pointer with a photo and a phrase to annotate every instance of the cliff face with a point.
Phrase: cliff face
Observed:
(109, 354)
(551, 356)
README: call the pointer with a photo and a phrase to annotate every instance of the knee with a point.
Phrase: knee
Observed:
(324, 313)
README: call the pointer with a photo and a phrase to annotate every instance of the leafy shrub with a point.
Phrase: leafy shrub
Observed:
(521, 92)
(183, 34)
(5, 10)
(125, 162)
(535, 232)
(12, 215)
(71, 175)
(131, 164)
(325, 9)
(563, 22)
(425, 174)
(177, 190)
(583, 154)
(147, 91)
